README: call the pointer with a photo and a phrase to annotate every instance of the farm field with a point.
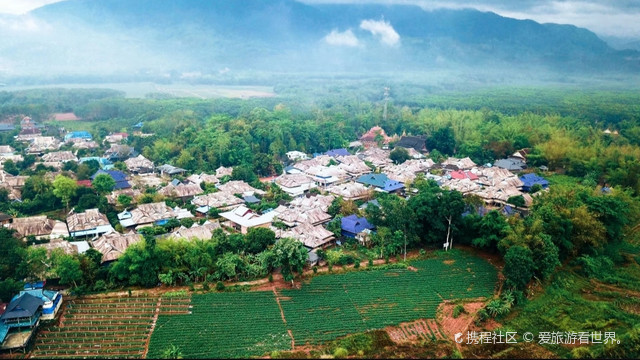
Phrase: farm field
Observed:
(223, 325)
(111, 327)
(327, 307)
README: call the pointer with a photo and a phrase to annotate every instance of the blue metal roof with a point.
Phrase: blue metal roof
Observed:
(529, 180)
(78, 135)
(119, 177)
(338, 152)
(355, 224)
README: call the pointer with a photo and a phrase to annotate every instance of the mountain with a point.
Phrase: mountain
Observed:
(123, 38)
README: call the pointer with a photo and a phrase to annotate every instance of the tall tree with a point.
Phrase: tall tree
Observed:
(64, 188)
(290, 256)
(103, 183)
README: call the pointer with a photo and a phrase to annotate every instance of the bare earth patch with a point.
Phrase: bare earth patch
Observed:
(451, 325)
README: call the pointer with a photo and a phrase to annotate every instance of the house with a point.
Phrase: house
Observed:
(170, 170)
(337, 152)
(353, 165)
(112, 198)
(91, 223)
(52, 300)
(67, 247)
(377, 157)
(181, 191)
(295, 184)
(39, 226)
(350, 191)
(511, 164)
(407, 171)
(6, 150)
(5, 219)
(292, 216)
(353, 225)
(381, 183)
(102, 162)
(321, 160)
(202, 232)
(146, 214)
(28, 128)
(118, 176)
(250, 199)
(327, 175)
(239, 187)
(355, 144)
(529, 180)
(243, 219)
(373, 202)
(312, 257)
(312, 237)
(116, 138)
(520, 155)
(19, 321)
(15, 158)
(296, 155)
(84, 144)
(221, 200)
(58, 158)
(119, 152)
(224, 171)
(41, 144)
(139, 165)
(371, 137)
(459, 175)
(418, 143)
(458, 164)
(202, 178)
(113, 244)
(4, 127)
(311, 202)
(80, 135)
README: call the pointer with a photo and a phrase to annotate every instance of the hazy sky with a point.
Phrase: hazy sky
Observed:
(605, 17)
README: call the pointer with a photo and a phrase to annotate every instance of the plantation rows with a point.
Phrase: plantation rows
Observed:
(336, 305)
(103, 328)
(330, 306)
(223, 325)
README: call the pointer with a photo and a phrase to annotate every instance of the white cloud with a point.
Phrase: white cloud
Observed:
(346, 38)
(383, 29)
(22, 6)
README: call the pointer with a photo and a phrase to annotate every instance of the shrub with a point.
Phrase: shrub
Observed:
(370, 262)
(459, 309)
(270, 278)
(340, 353)
(100, 285)
(205, 286)
(422, 252)
(219, 286)
(481, 316)
(356, 265)
(315, 269)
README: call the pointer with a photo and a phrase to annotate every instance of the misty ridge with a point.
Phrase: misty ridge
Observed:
(166, 40)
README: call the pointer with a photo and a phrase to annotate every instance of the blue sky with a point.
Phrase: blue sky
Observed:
(604, 17)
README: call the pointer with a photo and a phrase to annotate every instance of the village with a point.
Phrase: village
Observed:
(200, 203)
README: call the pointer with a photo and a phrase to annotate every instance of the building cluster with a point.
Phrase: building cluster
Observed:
(313, 182)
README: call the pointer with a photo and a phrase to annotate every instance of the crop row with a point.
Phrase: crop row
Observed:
(223, 325)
